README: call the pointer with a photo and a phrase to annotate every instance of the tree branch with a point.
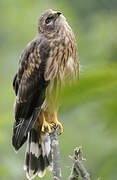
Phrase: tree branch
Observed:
(78, 169)
(55, 154)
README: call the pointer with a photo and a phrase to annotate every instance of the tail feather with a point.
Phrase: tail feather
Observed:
(31, 155)
(38, 155)
(26, 160)
(46, 147)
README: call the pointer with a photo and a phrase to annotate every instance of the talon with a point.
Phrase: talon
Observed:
(57, 123)
(60, 127)
(46, 127)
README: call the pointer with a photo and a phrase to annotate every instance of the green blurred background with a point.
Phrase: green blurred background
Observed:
(89, 110)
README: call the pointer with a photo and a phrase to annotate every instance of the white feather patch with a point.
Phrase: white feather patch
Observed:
(46, 144)
(30, 175)
(47, 147)
(27, 152)
(50, 168)
(41, 173)
(34, 149)
(43, 149)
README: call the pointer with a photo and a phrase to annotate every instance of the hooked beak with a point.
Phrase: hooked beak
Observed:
(56, 13)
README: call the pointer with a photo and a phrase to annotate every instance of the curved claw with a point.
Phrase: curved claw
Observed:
(57, 123)
(46, 127)
(60, 127)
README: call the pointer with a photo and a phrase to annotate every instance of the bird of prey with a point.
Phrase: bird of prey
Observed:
(46, 63)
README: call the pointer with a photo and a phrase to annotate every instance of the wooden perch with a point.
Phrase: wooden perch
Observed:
(78, 169)
(55, 154)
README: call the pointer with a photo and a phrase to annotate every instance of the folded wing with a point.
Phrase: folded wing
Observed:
(30, 86)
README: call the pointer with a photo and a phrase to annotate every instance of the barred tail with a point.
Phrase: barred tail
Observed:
(38, 155)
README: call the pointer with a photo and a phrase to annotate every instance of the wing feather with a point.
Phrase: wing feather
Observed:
(30, 86)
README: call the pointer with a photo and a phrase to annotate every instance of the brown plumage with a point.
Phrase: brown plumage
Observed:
(46, 63)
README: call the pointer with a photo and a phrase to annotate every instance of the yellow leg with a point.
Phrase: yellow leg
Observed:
(56, 122)
(46, 126)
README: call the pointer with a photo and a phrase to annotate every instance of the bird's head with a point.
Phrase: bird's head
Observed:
(50, 21)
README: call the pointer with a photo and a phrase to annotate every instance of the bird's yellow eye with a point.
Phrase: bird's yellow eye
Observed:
(49, 19)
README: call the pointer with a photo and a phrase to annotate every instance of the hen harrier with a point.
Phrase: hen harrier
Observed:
(46, 63)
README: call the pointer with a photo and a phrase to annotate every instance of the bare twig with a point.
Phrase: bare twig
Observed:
(55, 154)
(78, 170)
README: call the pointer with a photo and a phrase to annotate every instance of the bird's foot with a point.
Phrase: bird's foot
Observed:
(56, 123)
(46, 127)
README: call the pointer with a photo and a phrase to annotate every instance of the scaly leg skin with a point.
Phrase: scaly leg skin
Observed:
(46, 127)
(56, 122)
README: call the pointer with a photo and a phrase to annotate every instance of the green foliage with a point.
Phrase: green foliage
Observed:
(89, 106)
